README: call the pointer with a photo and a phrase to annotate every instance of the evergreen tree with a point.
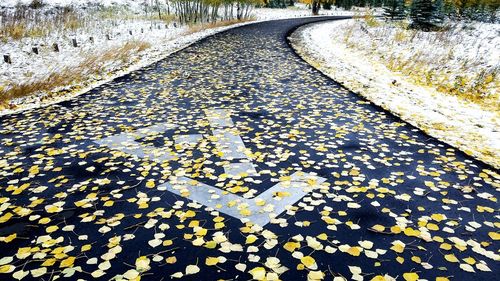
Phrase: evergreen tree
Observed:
(394, 10)
(422, 13)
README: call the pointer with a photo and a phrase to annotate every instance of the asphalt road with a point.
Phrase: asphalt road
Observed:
(375, 195)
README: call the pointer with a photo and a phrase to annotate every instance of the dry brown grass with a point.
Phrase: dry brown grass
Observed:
(92, 64)
(200, 27)
(26, 22)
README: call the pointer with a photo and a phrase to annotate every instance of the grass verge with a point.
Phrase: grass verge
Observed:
(92, 64)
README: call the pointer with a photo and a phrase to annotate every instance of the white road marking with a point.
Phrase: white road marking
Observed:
(127, 143)
(219, 118)
(230, 143)
(235, 169)
(189, 140)
(259, 210)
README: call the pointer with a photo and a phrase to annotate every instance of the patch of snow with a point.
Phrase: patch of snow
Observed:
(462, 124)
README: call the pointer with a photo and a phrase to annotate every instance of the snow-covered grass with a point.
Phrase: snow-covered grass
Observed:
(463, 59)
(363, 60)
(103, 33)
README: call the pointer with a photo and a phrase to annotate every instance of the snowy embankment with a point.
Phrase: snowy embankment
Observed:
(139, 43)
(463, 124)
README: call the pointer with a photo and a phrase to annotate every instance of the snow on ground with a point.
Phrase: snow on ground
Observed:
(453, 120)
(164, 38)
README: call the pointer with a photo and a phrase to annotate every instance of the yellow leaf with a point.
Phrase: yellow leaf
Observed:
(354, 251)
(49, 262)
(86, 247)
(308, 261)
(258, 273)
(398, 248)
(451, 258)
(494, 235)
(250, 239)
(322, 236)
(470, 260)
(211, 261)
(411, 232)
(378, 227)
(396, 229)
(437, 217)
(245, 212)
(291, 246)
(8, 268)
(171, 260)
(150, 184)
(67, 262)
(10, 238)
(210, 244)
(410, 276)
(51, 228)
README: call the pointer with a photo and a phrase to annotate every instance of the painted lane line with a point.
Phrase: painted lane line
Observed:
(259, 210)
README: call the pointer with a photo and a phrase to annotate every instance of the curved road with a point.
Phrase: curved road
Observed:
(394, 201)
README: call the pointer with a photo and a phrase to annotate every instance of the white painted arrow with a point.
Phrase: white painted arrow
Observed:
(259, 210)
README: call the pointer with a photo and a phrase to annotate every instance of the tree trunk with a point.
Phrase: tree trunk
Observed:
(315, 7)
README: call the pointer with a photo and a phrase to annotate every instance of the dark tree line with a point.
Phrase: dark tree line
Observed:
(424, 14)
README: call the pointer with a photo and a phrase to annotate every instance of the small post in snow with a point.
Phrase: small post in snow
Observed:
(91, 39)
(108, 37)
(35, 50)
(130, 32)
(55, 47)
(6, 58)
(74, 42)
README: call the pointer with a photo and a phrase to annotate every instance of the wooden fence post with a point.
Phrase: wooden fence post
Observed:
(6, 58)
(75, 43)
(55, 47)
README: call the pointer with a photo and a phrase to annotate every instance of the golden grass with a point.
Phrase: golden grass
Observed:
(199, 27)
(92, 64)
(17, 28)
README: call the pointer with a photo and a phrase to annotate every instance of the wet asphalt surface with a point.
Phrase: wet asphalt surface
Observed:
(395, 200)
